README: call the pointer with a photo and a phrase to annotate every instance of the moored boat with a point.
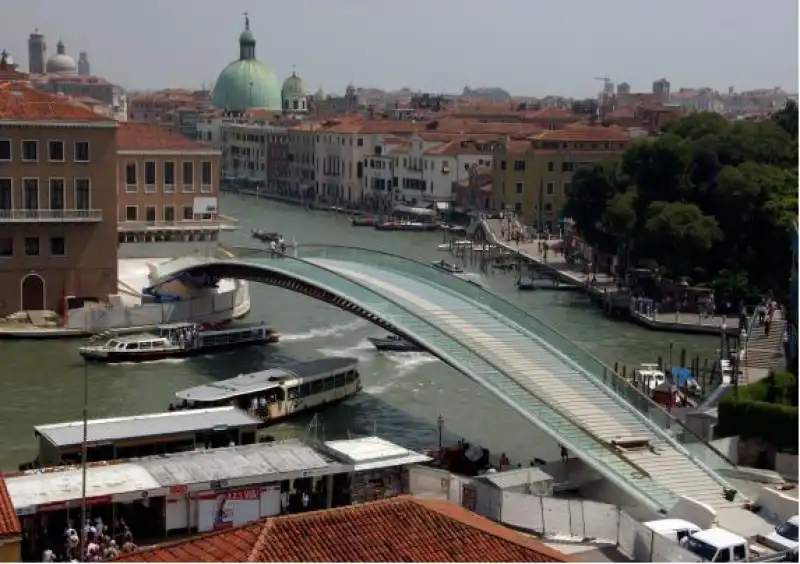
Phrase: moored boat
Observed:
(178, 340)
(447, 267)
(526, 283)
(394, 343)
(280, 392)
(406, 226)
(364, 221)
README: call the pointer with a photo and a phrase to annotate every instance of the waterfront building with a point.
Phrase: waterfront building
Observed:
(532, 177)
(177, 108)
(247, 83)
(57, 201)
(302, 151)
(244, 149)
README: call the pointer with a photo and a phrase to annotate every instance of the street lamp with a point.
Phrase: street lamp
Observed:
(83, 454)
(440, 427)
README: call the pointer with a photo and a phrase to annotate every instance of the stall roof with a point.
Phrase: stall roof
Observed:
(246, 384)
(150, 425)
(373, 452)
(64, 484)
(517, 477)
(234, 462)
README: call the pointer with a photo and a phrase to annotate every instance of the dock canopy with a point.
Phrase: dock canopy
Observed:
(371, 453)
(414, 211)
(108, 431)
(247, 384)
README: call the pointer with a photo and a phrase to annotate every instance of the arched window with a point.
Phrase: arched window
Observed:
(285, 104)
(295, 105)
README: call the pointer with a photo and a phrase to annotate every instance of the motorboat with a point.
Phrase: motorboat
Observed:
(447, 267)
(406, 226)
(394, 343)
(266, 236)
(177, 340)
(525, 283)
(649, 377)
(364, 221)
(459, 244)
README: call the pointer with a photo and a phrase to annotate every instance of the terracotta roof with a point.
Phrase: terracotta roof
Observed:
(552, 113)
(401, 529)
(393, 140)
(22, 102)
(582, 132)
(133, 136)
(367, 127)
(517, 146)
(463, 146)
(9, 523)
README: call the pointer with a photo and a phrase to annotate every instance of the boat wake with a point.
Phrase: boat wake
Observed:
(363, 351)
(158, 361)
(409, 361)
(333, 331)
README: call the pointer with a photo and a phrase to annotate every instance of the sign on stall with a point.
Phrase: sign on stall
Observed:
(221, 510)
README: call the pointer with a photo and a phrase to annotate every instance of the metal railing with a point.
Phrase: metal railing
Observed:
(42, 215)
(217, 223)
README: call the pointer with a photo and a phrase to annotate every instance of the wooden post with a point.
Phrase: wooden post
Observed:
(683, 358)
(660, 363)
(616, 367)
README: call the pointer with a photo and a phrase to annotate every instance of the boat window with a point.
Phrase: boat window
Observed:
(113, 344)
(292, 393)
(350, 377)
(132, 346)
(317, 386)
(146, 345)
(338, 380)
(327, 384)
(305, 390)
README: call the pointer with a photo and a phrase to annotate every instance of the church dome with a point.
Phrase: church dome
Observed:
(247, 83)
(61, 63)
(293, 86)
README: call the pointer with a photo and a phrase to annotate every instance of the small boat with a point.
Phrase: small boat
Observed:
(364, 221)
(406, 226)
(266, 236)
(463, 243)
(447, 267)
(394, 343)
(649, 377)
(178, 340)
(277, 393)
(526, 283)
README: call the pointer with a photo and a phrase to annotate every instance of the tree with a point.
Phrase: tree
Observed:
(587, 200)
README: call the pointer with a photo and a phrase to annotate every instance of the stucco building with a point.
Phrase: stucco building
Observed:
(57, 201)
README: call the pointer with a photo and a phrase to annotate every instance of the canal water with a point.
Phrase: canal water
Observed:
(42, 381)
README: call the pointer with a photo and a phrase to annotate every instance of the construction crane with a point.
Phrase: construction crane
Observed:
(608, 91)
(606, 81)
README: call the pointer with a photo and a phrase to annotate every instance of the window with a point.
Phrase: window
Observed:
(169, 213)
(518, 207)
(83, 194)
(519, 165)
(30, 193)
(32, 246)
(55, 151)
(567, 166)
(131, 213)
(502, 165)
(188, 212)
(149, 176)
(567, 187)
(550, 189)
(57, 248)
(5, 149)
(150, 214)
(130, 177)
(520, 187)
(360, 142)
(205, 174)
(548, 207)
(551, 166)
(81, 151)
(6, 247)
(30, 150)
(169, 176)
(56, 194)
(188, 176)
(6, 194)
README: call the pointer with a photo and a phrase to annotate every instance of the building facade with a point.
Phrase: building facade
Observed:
(532, 177)
(278, 180)
(244, 151)
(302, 152)
(57, 201)
(163, 179)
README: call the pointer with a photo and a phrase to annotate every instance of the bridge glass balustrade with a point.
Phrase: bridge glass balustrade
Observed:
(559, 344)
(574, 437)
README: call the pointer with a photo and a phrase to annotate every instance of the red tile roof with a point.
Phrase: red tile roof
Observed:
(133, 136)
(9, 523)
(583, 132)
(465, 145)
(22, 102)
(402, 529)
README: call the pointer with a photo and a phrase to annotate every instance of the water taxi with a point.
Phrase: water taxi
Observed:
(178, 340)
(277, 393)
(406, 226)
(394, 343)
(266, 236)
(447, 267)
(458, 244)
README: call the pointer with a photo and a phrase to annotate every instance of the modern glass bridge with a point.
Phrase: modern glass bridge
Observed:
(559, 387)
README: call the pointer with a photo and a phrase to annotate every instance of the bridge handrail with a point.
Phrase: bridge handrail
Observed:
(470, 288)
(445, 357)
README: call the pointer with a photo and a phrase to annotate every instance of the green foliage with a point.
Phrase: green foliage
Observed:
(766, 410)
(710, 199)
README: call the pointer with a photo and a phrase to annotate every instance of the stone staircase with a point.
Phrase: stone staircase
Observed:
(763, 352)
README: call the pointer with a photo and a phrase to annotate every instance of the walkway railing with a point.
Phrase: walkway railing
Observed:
(693, 446)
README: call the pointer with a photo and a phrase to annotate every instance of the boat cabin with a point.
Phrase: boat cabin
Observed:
(144, 435)
(447, 267)
(648, 377)
(280, 392)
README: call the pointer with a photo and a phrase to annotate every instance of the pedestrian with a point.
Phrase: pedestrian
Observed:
(767, 323)
(564, 453)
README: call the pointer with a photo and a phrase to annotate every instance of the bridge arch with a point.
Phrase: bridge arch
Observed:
(367, 283)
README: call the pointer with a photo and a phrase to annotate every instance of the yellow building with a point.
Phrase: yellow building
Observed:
(10, 529)
(532, 177)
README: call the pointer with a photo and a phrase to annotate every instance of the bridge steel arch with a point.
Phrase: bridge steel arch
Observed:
(381, 288)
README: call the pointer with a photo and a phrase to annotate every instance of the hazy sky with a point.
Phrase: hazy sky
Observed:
(529, 47)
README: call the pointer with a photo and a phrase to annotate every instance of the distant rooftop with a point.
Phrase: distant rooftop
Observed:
(23, 102)
(133, 136)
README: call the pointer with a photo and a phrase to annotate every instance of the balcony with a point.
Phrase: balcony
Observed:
(213, 223)
(51, 216)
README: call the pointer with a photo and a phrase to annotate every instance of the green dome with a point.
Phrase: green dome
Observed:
(246, 84)
(293, 86)
(247, 37)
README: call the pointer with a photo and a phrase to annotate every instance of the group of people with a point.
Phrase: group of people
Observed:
(186, 338)
(766, 311)
(278, 246)
(98, 544)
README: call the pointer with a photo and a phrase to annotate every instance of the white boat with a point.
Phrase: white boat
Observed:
(460, 244)
(649, 376)
(277, 393)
